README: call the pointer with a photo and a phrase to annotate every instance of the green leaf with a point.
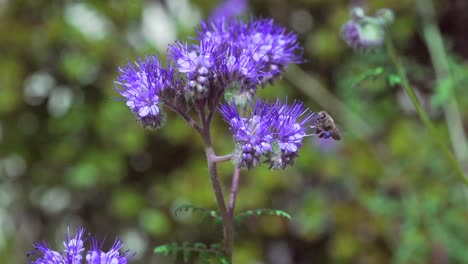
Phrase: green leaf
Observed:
(203, 211)
(369, 74)
(393, 80)
(189, 249)
(259, 212)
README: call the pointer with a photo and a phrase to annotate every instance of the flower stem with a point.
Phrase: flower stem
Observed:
(211, 158)
(224, 158)
(422, 114)
(445, 78)
(187, 118)
(227, 222)
(234, 188)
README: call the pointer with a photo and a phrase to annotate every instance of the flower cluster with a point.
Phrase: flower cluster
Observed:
(141, 85)
(364, 33)
(274, 131)
(269, 46)
(74, 249)
(227, 55)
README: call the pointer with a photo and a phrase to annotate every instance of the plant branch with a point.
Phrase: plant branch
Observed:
(187, 118)
(227, 222)
(218, 191)
(214, 109)
(234, 189)
(224, 158)
(202, 116)
(422, 114)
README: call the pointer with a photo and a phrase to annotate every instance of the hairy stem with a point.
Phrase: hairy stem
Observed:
(187, 118)
(224, 158)
(212, 160)
(227, 222)
(422, 114)
(234, 188)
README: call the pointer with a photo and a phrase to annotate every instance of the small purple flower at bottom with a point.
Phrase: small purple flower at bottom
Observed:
(73, 252)
(113, 256)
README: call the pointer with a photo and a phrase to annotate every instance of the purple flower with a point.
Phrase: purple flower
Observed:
(269, 46)
(362, 36)
(221, 30)
(252, 133)
(229, 57)
(113, 256)
(274, 131)
(73, 252)
(229, 8)
(200, 65)
(364, 33)
(213, 65)
(289, 129)
(272, 44)
(241, 68)
(141, 85)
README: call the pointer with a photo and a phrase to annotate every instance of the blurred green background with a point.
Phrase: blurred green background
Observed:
(71, 155)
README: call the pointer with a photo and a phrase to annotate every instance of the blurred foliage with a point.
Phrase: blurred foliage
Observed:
(71, 155)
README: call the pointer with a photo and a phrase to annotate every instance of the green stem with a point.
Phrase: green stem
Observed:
(440, 61)
(422, 114)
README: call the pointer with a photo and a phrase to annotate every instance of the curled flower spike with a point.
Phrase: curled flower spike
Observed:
(289, 129)
(272, 44)
(73, 252)
(252, 134)
(274, 131)
(141, 85)
(229, 57)
(269, 45)
(364, 33)
(200, 64)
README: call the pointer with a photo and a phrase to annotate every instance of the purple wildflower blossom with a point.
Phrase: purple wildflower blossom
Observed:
(220, 30)
(269, 45)
(141, 85)
(362, 36)
(230, 58)
(97, 256)
(289, 129)
(230, 8)
(252, 134)
(73, 252)
(213, 65)
(272, 44)
(274, 131)
(200, 64)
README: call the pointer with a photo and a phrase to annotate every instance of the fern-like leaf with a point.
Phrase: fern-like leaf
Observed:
(371, 74)
(203, 211)
(259, 212)
(188, 249)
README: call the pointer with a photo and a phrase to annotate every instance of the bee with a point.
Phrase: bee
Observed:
(326, 126)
